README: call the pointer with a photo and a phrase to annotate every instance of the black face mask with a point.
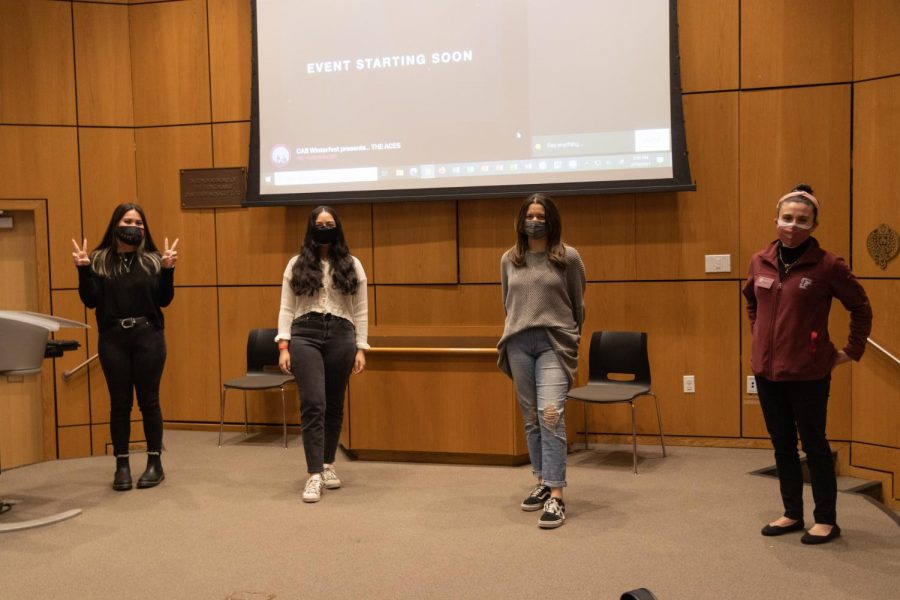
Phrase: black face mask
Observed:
(535, 229)
(324, 235)
(129, 234)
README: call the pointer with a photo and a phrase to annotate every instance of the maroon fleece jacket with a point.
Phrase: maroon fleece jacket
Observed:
(789, 317)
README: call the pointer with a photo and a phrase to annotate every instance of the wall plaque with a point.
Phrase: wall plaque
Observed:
(213, 188)
(883, 244)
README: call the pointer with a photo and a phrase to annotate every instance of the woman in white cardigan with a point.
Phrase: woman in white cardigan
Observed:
(322, 337)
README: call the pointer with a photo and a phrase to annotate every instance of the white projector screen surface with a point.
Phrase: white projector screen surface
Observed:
(380, 99)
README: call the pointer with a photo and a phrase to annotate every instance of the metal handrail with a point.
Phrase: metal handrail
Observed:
(67, 375)
(888, 354)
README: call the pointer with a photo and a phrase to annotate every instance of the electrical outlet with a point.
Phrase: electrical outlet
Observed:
(688, 384)
(751, 384)
(718, 263)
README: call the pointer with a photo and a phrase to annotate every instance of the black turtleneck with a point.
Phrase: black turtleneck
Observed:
(788, 256)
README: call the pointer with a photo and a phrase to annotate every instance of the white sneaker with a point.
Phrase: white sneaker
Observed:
(313, 490)
(332, 481)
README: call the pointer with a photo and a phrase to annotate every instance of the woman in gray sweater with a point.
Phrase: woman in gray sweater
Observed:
(543, 294)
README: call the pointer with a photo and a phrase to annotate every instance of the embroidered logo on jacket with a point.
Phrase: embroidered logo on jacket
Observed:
(805, 283)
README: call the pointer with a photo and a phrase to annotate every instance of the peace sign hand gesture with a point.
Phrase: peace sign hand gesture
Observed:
(170, 256)
(80, 256)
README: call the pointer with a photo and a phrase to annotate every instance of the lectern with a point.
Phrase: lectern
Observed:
(24, 343)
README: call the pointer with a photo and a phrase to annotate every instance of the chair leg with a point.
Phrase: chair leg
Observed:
(222, 414)
(659, 422)
(246, 422)
(284, 416)
(633, 438)
(584, 405)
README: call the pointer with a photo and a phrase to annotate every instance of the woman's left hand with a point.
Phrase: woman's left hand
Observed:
(360, 362)
(841, 358)
(170, 256)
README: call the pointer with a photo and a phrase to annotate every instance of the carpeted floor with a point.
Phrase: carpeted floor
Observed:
(228, 523)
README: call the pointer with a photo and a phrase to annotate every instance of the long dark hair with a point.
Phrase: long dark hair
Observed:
(556, 250)
(306, 279)
(104, 261)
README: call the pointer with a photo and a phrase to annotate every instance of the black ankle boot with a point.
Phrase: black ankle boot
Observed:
(153, 475)
(122, 478)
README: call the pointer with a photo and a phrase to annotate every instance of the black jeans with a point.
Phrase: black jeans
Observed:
(789, 407)
(133, 361)
(323, 349)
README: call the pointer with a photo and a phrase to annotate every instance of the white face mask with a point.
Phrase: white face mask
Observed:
(782, 224)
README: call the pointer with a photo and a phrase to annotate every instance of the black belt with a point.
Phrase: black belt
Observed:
(320, 317)
(129, 322)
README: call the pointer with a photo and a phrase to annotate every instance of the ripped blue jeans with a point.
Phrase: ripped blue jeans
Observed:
(541, 387)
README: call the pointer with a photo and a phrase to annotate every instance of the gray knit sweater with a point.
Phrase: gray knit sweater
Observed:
(539, 294)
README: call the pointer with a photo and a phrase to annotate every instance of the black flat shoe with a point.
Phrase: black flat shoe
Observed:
(773, 530)
(122, 479)
(810, 539)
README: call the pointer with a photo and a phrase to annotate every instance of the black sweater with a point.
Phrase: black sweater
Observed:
(130, 294)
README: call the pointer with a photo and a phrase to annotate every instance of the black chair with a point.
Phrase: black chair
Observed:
(622, 352)
(262, 352)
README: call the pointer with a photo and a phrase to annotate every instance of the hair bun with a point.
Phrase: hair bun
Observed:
(802, 187)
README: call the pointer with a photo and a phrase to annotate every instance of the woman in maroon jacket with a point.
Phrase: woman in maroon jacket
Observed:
(789, 291)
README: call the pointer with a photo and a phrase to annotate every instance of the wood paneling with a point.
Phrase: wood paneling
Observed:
(876, 50)
(257, 243)
(37, 77)
(692, 329)
(108, 177)
(103, 63)
(190, 383)
(170, 63)
(796, 42)
(676, 231)
(876, 378)
(602, 229)
(42, 162)
(74, 442)
(229, 57)
(876, 137)
(18, 261)
(439, 305)
(414, 242)
(240, 310)
(790, 136)
(433, 404)
(709, 41)
(21, 422)
(486, 230)
(72, 397)
(880, 459)
(161, 153)
(231, 144)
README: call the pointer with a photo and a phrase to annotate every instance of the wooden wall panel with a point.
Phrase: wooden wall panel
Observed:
(74, 442)
(37, 77)
(455, 305)
(108, 177)
(257, 243)
(42, 162)
(876, 378)
(72, 397)
(602, 229)
(190, 383)
(839, 402)
(161, 153)
(876, 50)
(789, 136)
(879, 459)
(876, 137)
(231, 144)
(170, 63)
(19, 261)
(676, 231)
(229, 56)
(796, 42)
(693, 329)
(414, 242)
(709, 41)
(486, 230)
(240, 310)
(21, 422)
(103, 62)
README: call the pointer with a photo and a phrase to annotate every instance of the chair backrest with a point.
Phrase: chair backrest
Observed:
(619, 352)
(262, 350)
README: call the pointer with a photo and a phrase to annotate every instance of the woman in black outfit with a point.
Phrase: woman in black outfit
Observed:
(127, 280)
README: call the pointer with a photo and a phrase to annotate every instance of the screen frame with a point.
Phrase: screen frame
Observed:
(681, 180)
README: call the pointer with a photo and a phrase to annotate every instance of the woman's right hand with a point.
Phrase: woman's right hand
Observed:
(284, 361)
(80, 256)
